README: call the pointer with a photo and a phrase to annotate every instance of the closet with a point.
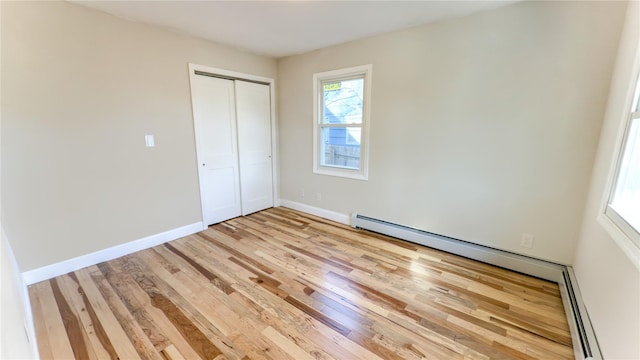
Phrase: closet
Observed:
(232, 121)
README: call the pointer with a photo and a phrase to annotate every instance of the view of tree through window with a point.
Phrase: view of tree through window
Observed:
(341, 126)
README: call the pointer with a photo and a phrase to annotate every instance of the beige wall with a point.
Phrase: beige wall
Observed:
(14, 343)
(482, 128)
(80, 91)
(608, 279)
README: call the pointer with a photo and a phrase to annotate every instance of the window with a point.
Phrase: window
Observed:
(341, 121)
(623, 207)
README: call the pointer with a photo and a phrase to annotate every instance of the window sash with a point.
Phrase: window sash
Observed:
(323, 107)
(323, 161)
(625, 224)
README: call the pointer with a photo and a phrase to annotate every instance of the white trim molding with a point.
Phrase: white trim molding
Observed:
(362, 172)
(50, 271)
(620, 238)
(323, 213)
(614, 225)
(23, 292)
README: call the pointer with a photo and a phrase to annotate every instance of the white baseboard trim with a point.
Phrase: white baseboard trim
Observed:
(23, 292)
(323, 213)
(66, 266)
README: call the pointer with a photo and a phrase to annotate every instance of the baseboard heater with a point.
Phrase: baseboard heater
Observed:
(583, 337)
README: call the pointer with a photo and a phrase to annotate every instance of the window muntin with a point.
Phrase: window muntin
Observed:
(341, 100)
(623, 207)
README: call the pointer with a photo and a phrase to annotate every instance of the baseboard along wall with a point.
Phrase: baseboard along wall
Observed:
(51, 271)
(323, 213)
(66, 266)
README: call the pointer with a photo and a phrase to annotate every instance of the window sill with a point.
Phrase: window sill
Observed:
(621, 239)
(343, 173)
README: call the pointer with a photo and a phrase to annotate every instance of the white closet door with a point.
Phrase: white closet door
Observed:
(215, 121)
(253, 109)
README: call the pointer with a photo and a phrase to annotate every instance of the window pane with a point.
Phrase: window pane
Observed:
(342, 101)
(340, 147)
(626, 198)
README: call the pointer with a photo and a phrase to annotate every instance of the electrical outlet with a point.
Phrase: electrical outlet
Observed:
(301, 192)
(319, 196)
(527, 240)
(149, 141)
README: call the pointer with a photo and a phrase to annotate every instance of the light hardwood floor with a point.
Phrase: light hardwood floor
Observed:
(281, 284)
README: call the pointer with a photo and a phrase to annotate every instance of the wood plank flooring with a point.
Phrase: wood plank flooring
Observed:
(281, 284)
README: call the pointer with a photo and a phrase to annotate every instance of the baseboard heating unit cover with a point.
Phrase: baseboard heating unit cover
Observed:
(584, 341)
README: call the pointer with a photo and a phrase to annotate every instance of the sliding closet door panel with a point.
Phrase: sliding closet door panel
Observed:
(253, 109)
(214, 111)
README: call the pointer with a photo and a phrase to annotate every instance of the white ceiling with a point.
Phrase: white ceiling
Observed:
(282, 28)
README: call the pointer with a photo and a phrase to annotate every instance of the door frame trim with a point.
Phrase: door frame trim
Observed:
(233, 75)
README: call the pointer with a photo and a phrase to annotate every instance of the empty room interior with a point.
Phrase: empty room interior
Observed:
(320, 180)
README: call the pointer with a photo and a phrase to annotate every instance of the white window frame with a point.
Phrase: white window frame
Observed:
(620, 230)
(318, 78)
